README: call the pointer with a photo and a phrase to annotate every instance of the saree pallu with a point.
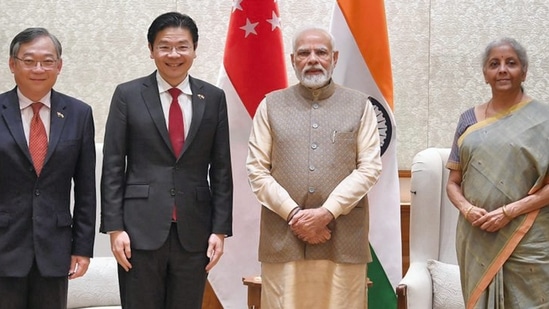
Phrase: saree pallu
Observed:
(503, 159)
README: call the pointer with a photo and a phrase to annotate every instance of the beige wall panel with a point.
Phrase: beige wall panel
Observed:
(435, 49)
(408, 26)
(459, 32)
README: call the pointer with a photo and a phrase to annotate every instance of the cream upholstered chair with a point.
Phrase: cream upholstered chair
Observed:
(98, 288)
(432, 280)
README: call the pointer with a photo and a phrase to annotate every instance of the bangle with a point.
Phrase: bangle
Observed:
(293, 213)
(468, 211)
(505, 213)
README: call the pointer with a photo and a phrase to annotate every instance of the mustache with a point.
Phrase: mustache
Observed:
(313, 67)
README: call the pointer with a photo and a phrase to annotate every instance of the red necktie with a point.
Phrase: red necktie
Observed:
(38, 140)
(176, 129)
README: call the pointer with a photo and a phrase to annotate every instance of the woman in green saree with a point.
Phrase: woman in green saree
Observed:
(499, 167)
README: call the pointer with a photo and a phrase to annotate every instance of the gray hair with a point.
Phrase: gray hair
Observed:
(308, 28)
(515, 45)
(28, 35)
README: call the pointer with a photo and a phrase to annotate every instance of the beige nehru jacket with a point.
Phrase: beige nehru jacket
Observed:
(314, 149)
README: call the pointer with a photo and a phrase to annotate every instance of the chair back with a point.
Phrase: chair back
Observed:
(433, 217)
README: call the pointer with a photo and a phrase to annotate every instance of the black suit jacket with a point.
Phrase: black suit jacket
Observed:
(142, 179)
(35, 212)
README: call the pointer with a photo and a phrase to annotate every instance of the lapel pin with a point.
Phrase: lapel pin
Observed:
(59, 115)
(201, 96)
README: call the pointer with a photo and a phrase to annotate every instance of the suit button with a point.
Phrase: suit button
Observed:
(172, 192)
(37, 192)
(312, 190)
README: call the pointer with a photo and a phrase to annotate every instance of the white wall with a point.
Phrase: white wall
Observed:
(435, 48)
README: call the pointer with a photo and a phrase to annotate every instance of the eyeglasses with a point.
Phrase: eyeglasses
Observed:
(180, 50)
(29, 63)
(322, 54)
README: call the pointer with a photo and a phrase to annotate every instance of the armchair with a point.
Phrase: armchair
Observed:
(432, 237)
(98, 288)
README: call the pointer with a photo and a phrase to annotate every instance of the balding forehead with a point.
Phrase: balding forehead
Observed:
(313, 39)
(313, 34)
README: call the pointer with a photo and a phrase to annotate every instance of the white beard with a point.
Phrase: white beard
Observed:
(313, 81)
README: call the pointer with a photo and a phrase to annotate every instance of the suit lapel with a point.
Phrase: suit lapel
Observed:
(199, 105)
(151, 98)
(58, 113)
(11, 113)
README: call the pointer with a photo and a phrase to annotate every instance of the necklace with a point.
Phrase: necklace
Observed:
(505, 110)
(486, 110)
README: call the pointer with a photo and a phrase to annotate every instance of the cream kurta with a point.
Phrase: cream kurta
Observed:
(314, 149)
(343, 198)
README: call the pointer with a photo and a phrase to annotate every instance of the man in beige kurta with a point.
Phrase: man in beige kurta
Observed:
(314, 154)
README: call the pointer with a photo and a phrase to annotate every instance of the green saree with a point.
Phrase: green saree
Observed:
(503, 159)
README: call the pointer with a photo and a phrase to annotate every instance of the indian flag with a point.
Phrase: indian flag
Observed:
(253, 65)
(360, 31)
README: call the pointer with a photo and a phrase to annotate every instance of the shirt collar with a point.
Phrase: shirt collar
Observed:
(25, 102)
(321, 93)
(164, 86)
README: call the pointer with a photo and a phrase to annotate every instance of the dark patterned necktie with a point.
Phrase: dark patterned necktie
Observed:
(38, 140)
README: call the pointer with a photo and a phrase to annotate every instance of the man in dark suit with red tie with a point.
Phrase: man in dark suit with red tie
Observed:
(166, 183)
(46, 143)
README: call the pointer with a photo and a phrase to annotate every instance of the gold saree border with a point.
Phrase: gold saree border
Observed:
(488, 121)
(518, 233)
(504, 254)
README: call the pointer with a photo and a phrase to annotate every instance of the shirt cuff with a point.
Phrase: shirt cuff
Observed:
(334, 208)
(286, 208)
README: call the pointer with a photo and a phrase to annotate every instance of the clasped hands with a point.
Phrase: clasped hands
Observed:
(491, 221)
(311, 225)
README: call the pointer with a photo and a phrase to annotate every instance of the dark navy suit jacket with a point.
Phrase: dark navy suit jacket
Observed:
(35, 212)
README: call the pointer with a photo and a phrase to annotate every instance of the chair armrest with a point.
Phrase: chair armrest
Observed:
(401, 291)
(98, 287)
(416, 287)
